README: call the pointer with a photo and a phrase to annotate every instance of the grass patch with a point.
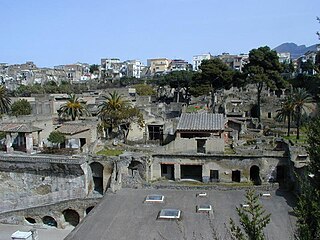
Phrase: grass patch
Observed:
(293, 138)
(110, 152)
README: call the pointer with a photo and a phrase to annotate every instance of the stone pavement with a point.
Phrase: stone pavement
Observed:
(44, 233)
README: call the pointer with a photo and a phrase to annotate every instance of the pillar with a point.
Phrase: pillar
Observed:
(177, 172)
(40, 145)
(9, 143)
(29, 143)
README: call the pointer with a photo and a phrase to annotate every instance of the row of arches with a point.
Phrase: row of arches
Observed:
(70, 216)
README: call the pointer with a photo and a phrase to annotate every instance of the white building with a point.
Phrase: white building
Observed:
(134, 68)
(197, 59)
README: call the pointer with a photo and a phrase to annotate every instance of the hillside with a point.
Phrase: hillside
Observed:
(295, 50)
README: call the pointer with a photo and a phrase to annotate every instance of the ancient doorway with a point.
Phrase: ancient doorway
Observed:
(255, 175)
(281, 174)
(71, 217)
(136, 167)
(191, 172)
(214, 175)
(167, 171)
(97, 176)
(236, 176)
(50, 221)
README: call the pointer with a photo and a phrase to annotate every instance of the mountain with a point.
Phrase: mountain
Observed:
(295, 50)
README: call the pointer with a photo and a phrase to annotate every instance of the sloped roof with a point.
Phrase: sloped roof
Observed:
(71, 129)
(18, 128)
(200, 122)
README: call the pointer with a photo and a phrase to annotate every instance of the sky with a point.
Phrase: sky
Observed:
(59, 32)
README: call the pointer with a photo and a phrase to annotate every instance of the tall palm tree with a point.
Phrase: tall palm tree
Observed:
(111, 108)
(74, 108)
(286, 112)
(300, 97)
(5, 101)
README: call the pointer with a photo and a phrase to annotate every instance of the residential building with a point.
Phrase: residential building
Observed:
(284, 57)
(179, 65)
(134, 68)
(197, 59)
(158, 65)
(236, 62)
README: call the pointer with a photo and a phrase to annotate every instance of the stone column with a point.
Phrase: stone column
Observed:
(40, 145)
(9, 143)
(177, 172)
(29, 142)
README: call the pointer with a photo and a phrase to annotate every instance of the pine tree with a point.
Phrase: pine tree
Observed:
(253, 219)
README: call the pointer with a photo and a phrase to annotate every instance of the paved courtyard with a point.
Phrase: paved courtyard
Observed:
(44, 233)
(124, 215)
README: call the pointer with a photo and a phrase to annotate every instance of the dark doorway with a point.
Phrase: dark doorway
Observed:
(214, 175)
(50, 221)
(236, 176)
(71, 217)
(201, 145)
(167, 171)
(97, 175)
(281, 174)
(136, 167)
(89, 209)
(191, 172)
(82, 142)
(255, 175)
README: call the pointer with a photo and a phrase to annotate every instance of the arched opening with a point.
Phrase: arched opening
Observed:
(89, 209)
(97, 175)
(50, 221)
(30, 220)
(71, 217)
(255, 175)
(136, 167)
(236, 176)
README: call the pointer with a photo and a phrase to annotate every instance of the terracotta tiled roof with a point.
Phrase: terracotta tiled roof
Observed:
(71, 129)
(200, 122)
(18, 128)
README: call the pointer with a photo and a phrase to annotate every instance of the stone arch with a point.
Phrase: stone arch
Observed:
(50, 221)
(255, 175)
(89, 209)
(71, 216)
(97, 176)
(136, 166)
(30, 220)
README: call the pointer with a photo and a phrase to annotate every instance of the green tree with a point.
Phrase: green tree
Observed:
(74, 108)
(94, 68)
(116, 112)
(144, 89)
(307, 209)
(300, 100)
(286, 113)
(179, 80)
(56, 138)
(21, 107)
(253, 219)
(216, 74)
(263, 70)
(5, 101)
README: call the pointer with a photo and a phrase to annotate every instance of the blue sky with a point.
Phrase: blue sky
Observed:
(67, 31)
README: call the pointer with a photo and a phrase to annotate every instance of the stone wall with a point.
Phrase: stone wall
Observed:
(225, 164)
(29, 181)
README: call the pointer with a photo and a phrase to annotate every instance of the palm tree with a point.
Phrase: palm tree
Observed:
(286, 112)
(111, 108)
(74, 108)
(5, 101)
(300, 98)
